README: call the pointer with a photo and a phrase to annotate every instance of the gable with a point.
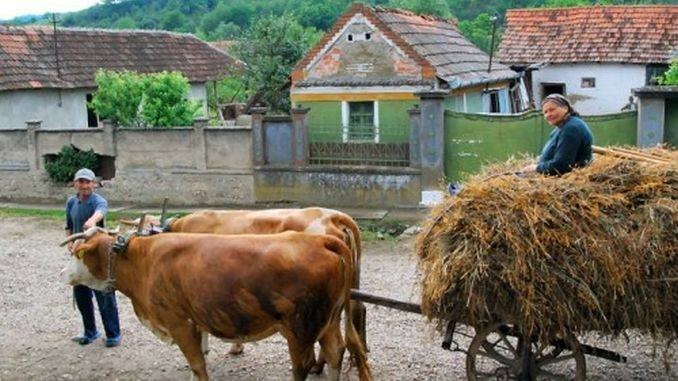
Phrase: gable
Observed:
(360, 53)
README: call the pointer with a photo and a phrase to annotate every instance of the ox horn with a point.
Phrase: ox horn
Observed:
(129, 222)
(86, 235)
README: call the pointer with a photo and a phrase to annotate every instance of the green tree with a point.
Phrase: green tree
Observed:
(270, 49)
(63, 166)
(125, 23)
(424, 7)
(165, 102)
(479, 32)
(670, 77)
(118, 97)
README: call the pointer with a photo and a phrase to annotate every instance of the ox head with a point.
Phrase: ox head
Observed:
(91, 258)
(149, 223)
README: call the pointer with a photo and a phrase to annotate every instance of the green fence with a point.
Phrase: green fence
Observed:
(473, 140)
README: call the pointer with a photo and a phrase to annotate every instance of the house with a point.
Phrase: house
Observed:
(48, 74)
(364, 74)
(594, 55)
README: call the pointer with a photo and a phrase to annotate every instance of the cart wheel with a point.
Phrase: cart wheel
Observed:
(495, 354)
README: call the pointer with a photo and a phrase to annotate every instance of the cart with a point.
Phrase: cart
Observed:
(499, 351)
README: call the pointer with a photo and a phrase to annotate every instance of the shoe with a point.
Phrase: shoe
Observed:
(113, 341)
(84, 339)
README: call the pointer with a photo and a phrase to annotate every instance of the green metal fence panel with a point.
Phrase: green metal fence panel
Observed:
(613, 129)
(671, 123)
(474, 140)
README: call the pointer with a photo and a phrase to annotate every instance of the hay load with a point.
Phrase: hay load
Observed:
(594, 250)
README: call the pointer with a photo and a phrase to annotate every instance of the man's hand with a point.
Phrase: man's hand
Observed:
(529, 168)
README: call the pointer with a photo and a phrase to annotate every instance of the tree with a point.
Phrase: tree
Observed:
(479, 32)
(165, 102)
(670, 77)
(270, 49)
(135, 100)
(424, 7)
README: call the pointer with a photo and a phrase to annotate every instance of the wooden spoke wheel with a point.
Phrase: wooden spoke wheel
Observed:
(498, 353)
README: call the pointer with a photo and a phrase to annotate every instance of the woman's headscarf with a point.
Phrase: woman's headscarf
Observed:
(561, 101)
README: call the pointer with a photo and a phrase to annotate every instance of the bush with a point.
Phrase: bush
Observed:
(137, 100)
(670, 78)
(63, 167)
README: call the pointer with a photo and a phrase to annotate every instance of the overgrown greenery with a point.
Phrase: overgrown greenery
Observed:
(670, 77)
(152, 100)
(273, 45)
(63, 167)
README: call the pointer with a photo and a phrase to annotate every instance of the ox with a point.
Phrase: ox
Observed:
(239, 288)
(270, 221)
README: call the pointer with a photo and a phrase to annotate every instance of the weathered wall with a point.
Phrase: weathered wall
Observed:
(191, 166)
(613, 85)
(16, 107)
(332, 186)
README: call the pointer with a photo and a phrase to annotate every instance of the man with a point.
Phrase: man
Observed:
(83, 211)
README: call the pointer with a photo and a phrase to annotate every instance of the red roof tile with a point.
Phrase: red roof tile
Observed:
(624, 34)
(28, 59)
(435, 43)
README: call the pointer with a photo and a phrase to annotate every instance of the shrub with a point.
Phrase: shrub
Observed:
(63, 167)
(671, 76)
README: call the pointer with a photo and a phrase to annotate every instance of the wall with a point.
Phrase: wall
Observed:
(191, 166)
(613, 85)
(473, 140)
(16, 107)
(671, 122)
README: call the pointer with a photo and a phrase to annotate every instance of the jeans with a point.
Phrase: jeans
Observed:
(108, 309)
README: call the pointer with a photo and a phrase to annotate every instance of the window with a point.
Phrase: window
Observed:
(368, 36)
(588, 82)
(361, 121)
(552, 88)
(654, 71)
(350, 37)
(92, 120)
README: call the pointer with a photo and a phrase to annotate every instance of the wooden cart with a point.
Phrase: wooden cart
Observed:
(499, 351)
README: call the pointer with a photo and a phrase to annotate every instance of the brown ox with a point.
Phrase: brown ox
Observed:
(270, 221)
(238, 288)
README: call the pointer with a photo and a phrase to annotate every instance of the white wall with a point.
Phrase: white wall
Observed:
(613, 85)
(16, 107)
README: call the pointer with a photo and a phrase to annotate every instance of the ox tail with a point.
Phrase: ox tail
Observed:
(354, 343)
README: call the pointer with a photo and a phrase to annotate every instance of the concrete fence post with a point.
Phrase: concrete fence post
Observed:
(32, 127)
(300, 148)
(199, 144)
(258, 148)
(432, 145)
(651, 125)
(110, 143)
(415, 122)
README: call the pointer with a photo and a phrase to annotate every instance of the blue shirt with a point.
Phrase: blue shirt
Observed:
(569, 146)
(78, 212)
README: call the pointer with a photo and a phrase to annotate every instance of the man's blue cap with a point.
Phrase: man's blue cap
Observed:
(84, 173)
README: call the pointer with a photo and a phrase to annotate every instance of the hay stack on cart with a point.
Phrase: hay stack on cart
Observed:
(593, 250)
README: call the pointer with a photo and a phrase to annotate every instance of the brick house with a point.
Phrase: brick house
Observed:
(594, 55)
(50, 76)
(364, 73)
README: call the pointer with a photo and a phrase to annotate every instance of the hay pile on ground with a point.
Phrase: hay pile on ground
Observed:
(595, 249)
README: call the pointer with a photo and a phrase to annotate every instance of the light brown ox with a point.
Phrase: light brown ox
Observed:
(238, 288)
(310, 220)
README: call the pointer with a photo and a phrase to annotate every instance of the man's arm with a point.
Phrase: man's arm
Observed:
(100, 210)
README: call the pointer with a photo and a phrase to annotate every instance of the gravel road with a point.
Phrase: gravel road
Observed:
(37, 320)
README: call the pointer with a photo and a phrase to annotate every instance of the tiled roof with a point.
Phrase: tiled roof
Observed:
(28, 60)
(624, 34)
(456, 60)
(434, 43)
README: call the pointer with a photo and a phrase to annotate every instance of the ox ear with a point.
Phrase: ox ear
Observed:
(82, 248)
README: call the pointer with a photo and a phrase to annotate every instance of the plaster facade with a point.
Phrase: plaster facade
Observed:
(613, 84)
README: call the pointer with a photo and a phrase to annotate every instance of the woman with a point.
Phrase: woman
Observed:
(569, 145)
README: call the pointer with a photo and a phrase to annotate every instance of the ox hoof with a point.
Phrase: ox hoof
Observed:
(236, 349)
(316, 368)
